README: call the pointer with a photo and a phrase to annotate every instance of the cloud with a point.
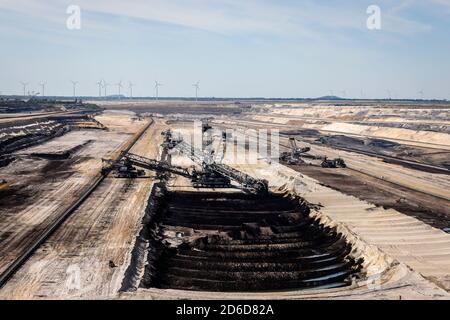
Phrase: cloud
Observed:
(445, 3)
(306, 19)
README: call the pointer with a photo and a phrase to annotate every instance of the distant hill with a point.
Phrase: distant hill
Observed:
(116, 96)
(329, 98)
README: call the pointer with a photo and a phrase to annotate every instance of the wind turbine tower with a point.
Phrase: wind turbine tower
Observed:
(24, 84)
(119, 87)
(43, 84)
(100, 85)
(74, 84)
(197, 88)
(131, 85)
(421, 94)
(157, 85)
(105, 86)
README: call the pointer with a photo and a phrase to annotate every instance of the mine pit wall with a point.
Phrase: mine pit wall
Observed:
(21, 142)
(27, 133)
(377, 265)
(147, 249)
(375, 260)
(139, 255)
(378, 268)
(382, 271)
(154, 249)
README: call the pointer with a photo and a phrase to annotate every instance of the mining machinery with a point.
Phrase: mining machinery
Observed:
(256, 186)
(122, 169)
(205, 125)
(127, 168)
(335, 163)
(210, 166)
(199, 179)
(294, 156)
(207, 134)
(212, 175)
(169, 140)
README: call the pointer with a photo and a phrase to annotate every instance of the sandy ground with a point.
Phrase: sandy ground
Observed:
(40, 190)
(88, 255)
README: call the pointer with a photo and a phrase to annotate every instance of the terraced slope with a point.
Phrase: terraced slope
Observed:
(237, 242)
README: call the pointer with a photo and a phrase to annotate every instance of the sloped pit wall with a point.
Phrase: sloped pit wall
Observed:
(144, 241)
(377, 266)
(150, 245)
(16, 138)
(276, 246)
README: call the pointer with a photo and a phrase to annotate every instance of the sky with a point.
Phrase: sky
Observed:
(235, 48)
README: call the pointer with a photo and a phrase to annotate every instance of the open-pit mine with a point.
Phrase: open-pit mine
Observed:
(221, 199)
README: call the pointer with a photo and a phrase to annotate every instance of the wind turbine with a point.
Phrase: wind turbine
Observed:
(119, 87)
(157, 85)
(105, 86)
(421, 93)
(131, 85)
(100, 84)
(344, 93)
(389, 94)
(74, 84)
(197, 88)
(43, 84)
(24, 84)
(362, 94)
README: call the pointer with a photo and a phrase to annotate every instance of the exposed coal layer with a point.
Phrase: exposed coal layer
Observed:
(238, 242)
(21, 134)
(380, 147)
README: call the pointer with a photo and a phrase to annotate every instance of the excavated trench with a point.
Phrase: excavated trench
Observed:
(213, 241)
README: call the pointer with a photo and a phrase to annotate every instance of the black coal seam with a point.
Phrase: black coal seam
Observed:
(160, 257)
(156, 247)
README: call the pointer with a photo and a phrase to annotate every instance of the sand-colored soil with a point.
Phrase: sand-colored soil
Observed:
(88, 255)
(40, 190)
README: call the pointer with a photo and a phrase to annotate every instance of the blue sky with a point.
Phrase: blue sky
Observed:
(251, 48)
